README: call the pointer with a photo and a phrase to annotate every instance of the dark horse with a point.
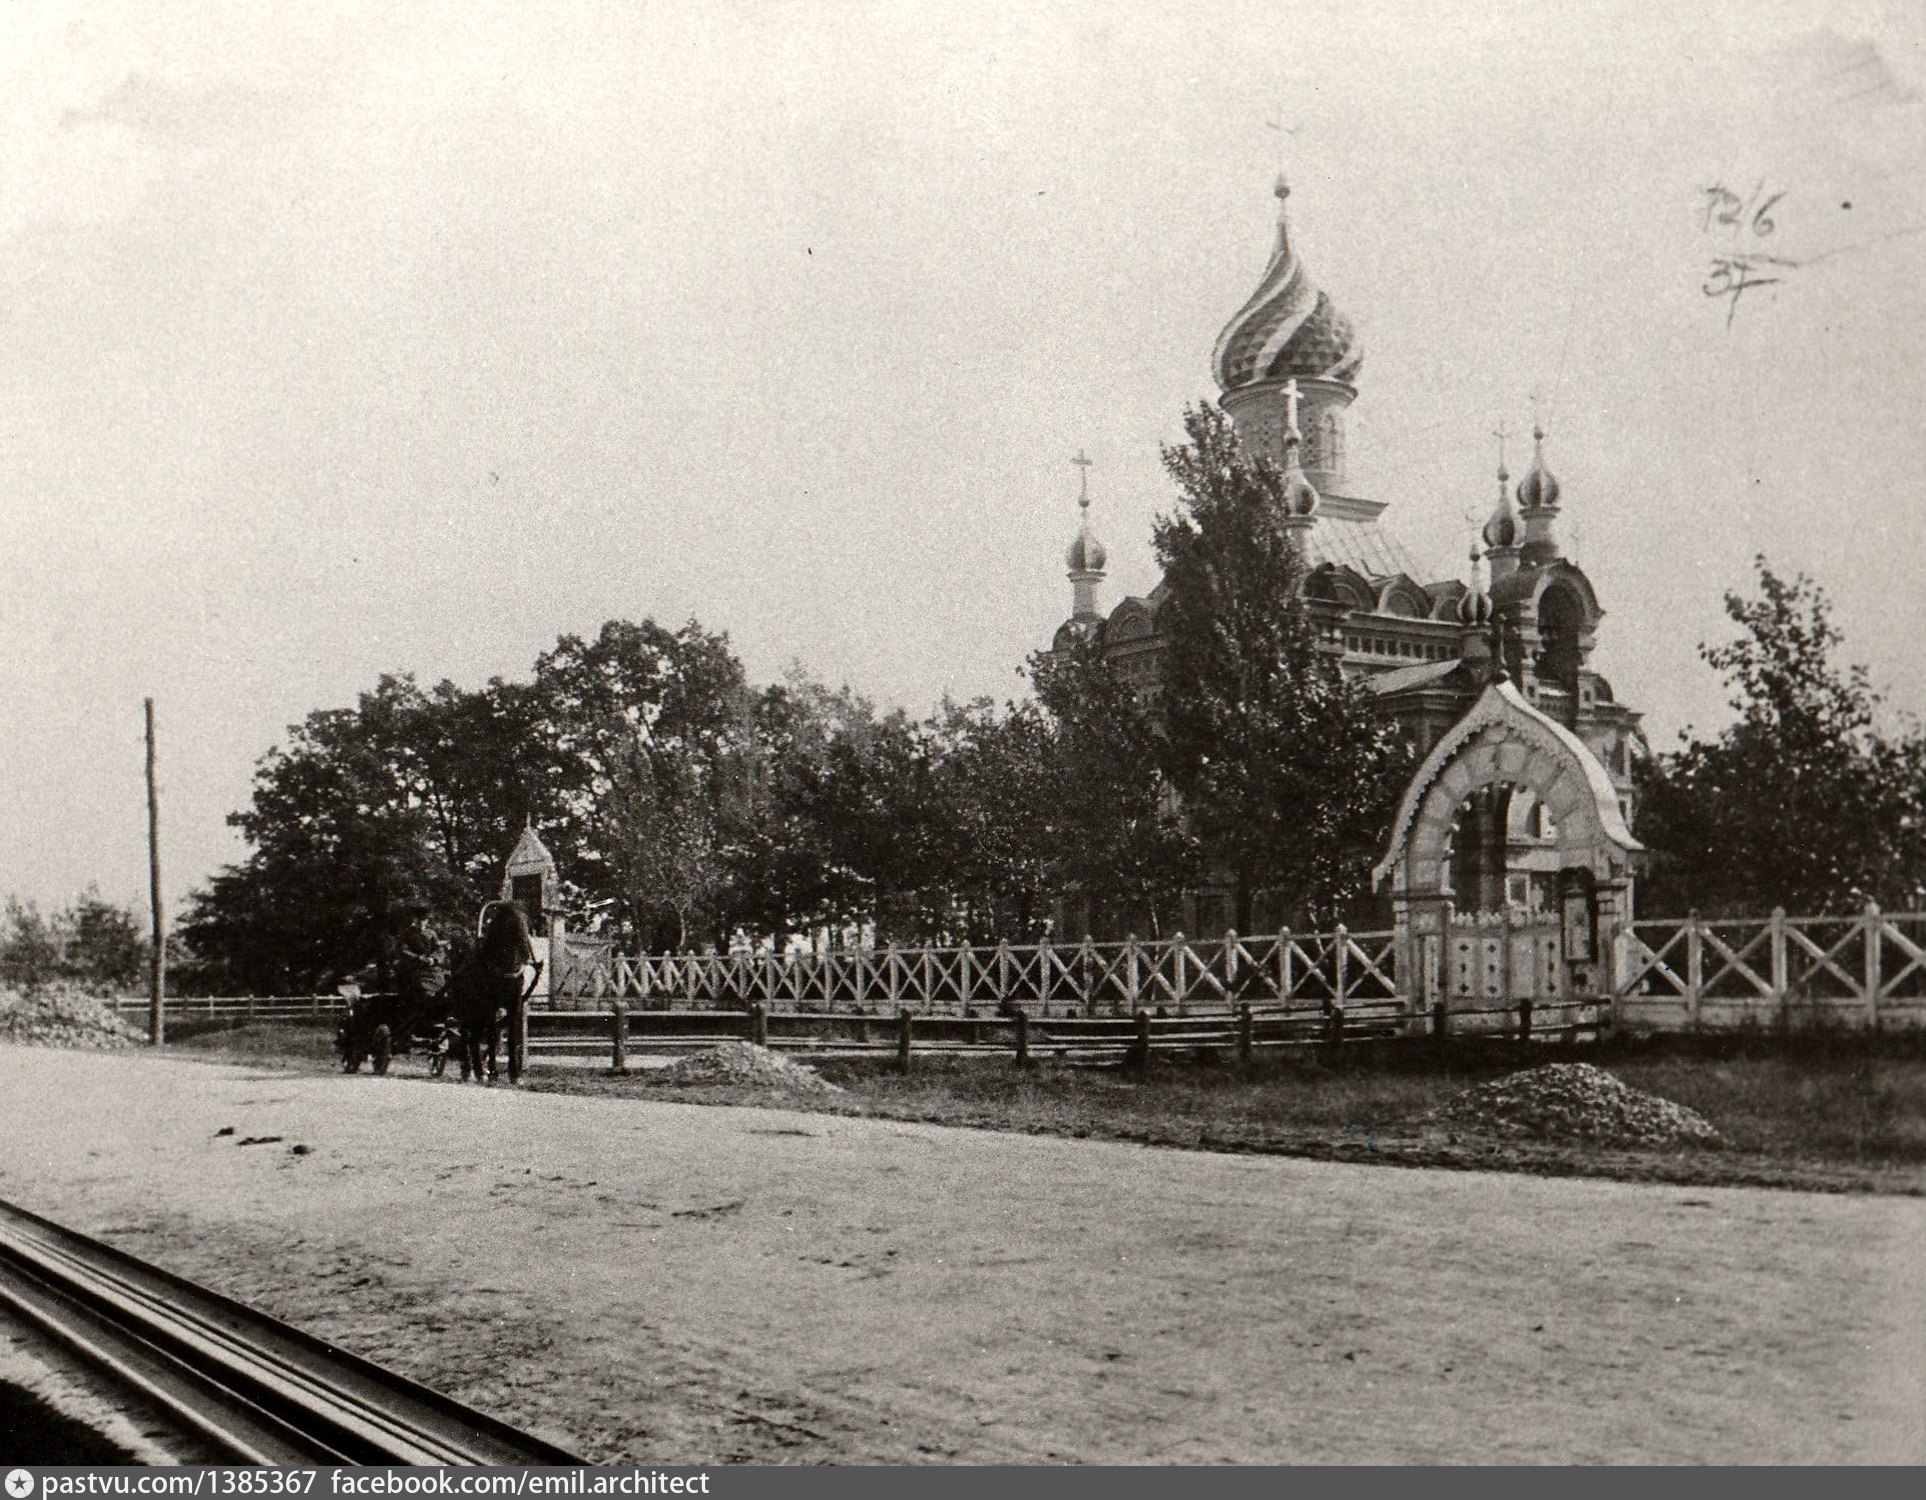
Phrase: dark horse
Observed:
(489, 992)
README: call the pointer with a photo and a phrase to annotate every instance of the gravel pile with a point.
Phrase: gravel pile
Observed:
(59, 1015)
(744, 1063)
(1575, 1101)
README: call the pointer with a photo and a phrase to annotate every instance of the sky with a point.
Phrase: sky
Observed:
(351, 338)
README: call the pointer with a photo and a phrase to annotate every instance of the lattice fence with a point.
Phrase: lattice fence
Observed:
(1689, 974)
(1180, 976)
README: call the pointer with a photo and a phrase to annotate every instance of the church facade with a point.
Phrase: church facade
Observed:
(1287, 366)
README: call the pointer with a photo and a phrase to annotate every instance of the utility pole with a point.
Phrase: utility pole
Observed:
(157, 971)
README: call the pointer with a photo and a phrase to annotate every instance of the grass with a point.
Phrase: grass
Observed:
(1835, 1113)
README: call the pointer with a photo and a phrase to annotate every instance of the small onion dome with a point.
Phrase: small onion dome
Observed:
(1538, 490)
(1474, 605)
(1502, 529)
(1086, 554)
(1300, 495)
(1288, 329)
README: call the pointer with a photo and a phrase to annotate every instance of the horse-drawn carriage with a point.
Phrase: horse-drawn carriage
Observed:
(481, 1006)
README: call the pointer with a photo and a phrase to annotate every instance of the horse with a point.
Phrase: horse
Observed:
(489, 990)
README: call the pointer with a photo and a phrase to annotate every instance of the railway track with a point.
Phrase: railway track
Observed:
(242, 1386)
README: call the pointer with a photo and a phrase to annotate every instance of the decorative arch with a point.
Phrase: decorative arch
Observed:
(1504, 741)
(1403, 595)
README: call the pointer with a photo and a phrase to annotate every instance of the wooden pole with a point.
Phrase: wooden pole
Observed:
(904, 1021)
(1022, 1037)
(1245, 1028)
(619, 1038)
(157, 964)
(759, 1024)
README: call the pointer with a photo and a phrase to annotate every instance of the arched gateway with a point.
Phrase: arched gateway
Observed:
(1509, 866)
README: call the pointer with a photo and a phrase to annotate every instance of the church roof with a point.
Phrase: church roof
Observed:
(1363, 546)
(1404, 679)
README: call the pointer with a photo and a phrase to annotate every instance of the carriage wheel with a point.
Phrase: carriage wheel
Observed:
(383, 1048)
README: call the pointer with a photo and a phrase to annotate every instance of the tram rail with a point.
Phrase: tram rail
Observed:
(242, 1386)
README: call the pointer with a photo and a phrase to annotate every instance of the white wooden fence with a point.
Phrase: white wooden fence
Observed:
(1688, 974)
(233, 1007)
(1178, 975)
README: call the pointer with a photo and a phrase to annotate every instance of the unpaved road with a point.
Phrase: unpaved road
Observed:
(663, 1282)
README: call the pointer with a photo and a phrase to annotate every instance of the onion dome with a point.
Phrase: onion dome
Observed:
(1502, 530)
(1538, 490)
(1085, 554)
(1300, 495)
(1288, 329)
(1474, 605)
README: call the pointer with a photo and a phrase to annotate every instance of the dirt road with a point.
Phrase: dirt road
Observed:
(664, 1282)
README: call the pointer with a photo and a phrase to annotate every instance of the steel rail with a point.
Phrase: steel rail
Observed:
(249, 1388)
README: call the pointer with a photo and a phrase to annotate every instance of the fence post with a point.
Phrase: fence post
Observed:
(1334, 1031)
(619, 1038)
(1140, 1047)
(1524, 1019)
(1045, 983)
(1086, 969)
(1875, 963)
(904, 1021)
(1230, 963)
(1131, 986)
(1780, 976)
(1002, 973)
(758, 1024)
(1343, 962)
(1179, 955)
(1244, 1029)
(639, 971)
(1022, 1037)
(1694, 969)
(1286, 979)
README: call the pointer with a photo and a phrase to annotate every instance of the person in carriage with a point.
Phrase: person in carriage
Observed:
(416, 1013)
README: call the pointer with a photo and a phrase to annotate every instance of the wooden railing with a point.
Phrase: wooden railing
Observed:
(1690, 974)
(258, 1007)
(1179, 976)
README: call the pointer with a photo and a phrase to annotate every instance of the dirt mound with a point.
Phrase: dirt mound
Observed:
(744, 1063)
(59, 1015)
(1574, 1101)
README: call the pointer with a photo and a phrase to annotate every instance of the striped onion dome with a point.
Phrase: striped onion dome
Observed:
(1502, 529)
(1538, 490)
(1288, 328)
(1474, 605)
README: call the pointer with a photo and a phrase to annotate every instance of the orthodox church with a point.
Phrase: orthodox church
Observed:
(1287, 367)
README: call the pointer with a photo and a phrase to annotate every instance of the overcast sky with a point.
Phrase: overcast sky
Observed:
(351, 338)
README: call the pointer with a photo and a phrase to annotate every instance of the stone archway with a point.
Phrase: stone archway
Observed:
(1503, 744)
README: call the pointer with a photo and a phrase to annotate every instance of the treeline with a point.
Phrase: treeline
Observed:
(1813, 798)
(90, 942)
(687, 807)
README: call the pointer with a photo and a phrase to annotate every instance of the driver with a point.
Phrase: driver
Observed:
(421, 971)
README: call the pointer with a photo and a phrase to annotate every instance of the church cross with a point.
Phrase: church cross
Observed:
(1083, 463)
(1501, 435)
(1290, 405)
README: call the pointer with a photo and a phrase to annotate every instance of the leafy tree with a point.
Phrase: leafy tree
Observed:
(1109, 817)
(644, 737)
(1287, 771)
(1801, 801)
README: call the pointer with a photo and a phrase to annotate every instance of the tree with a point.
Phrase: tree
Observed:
(1110, 817)
(1287, 771)
(1801, 801)
(644, 738)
